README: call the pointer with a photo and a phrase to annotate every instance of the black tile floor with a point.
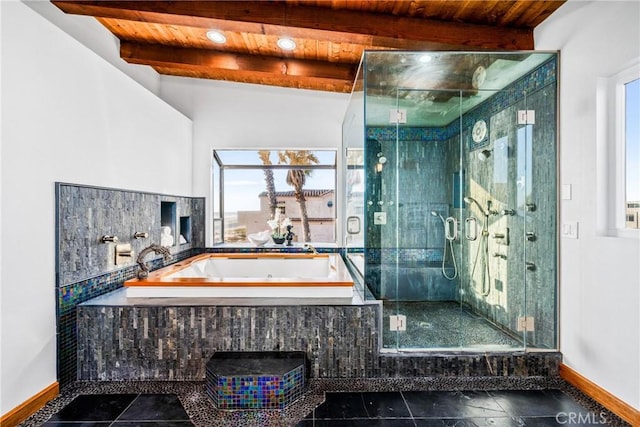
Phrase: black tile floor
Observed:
(549, 407)
(452, 408)
(122, 410)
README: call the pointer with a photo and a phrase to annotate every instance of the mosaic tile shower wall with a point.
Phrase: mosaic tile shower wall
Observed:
(511, 285)
(85, 267)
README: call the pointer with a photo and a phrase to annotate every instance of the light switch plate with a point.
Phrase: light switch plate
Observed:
(379, 218)
(570, 229)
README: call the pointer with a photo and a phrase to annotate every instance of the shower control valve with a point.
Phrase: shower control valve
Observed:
(531, 236)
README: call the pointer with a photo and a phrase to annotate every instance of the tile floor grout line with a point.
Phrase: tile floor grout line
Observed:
(408, 408)
(364, 405)
(125, 409)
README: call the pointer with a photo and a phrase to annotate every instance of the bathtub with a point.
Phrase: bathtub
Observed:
(256, 275)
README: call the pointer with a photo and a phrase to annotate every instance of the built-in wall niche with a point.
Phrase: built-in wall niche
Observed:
(185, 230)
(168, 223)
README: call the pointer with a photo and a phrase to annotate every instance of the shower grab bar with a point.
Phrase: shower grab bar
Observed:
(468, 228)
(451, 229)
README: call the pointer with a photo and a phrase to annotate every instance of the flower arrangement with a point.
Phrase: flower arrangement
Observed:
(279, 225)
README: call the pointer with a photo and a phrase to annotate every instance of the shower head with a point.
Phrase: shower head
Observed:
(434, 213)
(470, 200)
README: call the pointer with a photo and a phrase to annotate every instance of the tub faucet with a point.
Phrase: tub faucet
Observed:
(143, 273)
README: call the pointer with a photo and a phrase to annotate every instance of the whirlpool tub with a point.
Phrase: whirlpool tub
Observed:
(257, 275)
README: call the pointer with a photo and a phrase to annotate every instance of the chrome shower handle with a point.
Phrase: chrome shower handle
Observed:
(468, 228)
(451, 228)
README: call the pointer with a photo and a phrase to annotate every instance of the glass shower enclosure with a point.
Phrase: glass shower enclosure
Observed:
(451, 197)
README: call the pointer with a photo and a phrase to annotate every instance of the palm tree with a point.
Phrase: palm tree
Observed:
(297, 178)
(268, 178)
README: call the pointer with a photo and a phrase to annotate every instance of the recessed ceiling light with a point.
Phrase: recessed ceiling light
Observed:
(286, 43)
(425, 58)
(216, 36)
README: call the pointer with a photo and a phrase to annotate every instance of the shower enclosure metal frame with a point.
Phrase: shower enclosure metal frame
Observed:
(519, 219)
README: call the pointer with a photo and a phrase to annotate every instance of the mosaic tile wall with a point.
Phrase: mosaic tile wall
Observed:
(175, 343)
(84, 267)
(85, 214)
(512, 286)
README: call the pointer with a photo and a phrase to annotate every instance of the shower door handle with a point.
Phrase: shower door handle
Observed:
(471, 225)
(451, 228)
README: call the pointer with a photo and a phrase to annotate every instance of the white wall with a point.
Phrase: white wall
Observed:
(600, 275)
(91, 33)
(236, 115)
(67, 115)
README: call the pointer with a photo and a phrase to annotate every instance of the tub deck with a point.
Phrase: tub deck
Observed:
(248, 275)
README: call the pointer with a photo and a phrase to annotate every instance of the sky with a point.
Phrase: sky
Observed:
(632, 131)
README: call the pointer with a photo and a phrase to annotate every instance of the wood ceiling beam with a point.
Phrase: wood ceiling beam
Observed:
(311, 83)
(279, 18)
(205, 60)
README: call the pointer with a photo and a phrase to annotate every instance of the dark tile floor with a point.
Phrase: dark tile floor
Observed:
(452, 408)
(122, 410)
(549, 407)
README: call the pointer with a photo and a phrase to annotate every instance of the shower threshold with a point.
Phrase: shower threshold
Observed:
(444, 327)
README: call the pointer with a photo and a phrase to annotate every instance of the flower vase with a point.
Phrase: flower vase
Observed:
(278, 240)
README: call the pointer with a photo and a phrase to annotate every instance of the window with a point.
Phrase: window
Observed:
(619, 153)
(250, 185)
(632, 150)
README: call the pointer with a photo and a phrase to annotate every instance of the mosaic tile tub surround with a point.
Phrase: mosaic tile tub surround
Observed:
(255, 380)
(175, 342)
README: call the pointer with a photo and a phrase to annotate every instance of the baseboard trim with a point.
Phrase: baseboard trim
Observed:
(600, 395)
(29, 406)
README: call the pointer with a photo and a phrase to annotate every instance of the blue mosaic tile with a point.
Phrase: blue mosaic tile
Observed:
(254, 391)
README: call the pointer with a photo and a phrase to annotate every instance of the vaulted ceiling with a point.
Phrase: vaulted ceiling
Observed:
(330, 36)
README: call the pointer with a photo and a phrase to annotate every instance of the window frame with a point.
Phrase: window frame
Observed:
(613, 145)
(220, 183)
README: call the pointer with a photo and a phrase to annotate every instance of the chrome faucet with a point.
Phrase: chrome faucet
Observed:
(309, 248)
(143, 273)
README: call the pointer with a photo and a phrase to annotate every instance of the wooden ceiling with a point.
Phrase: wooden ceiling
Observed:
(170, 36)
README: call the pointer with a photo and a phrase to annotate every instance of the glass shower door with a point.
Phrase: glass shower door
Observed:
(420, 242)
(493, 286)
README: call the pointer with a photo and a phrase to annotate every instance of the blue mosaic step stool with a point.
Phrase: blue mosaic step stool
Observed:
(255, 380)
